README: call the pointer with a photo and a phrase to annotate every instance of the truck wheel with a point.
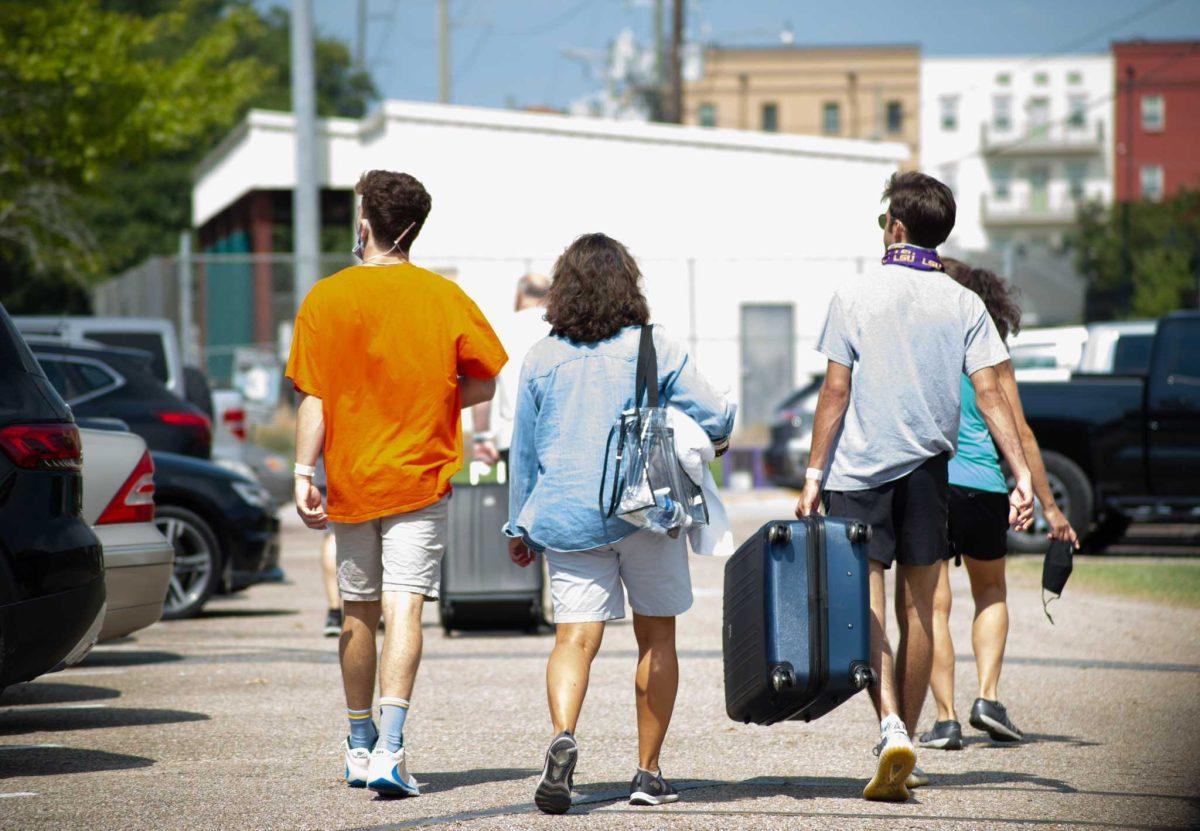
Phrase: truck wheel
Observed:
(1071, 490)
(1108, 531)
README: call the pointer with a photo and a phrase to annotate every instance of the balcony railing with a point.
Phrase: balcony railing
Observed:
(1060, 138)
(1030, 211)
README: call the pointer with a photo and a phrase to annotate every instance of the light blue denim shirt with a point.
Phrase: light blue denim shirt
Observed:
(570, 396)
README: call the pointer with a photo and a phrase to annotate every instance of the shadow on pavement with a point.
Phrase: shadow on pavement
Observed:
(442, 782)
(53, 692)
(131, 658)
(220, 613)
(53, 761)
(981, 742)
(57, 719)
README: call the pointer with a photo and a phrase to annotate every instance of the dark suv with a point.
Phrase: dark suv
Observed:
(51, 564)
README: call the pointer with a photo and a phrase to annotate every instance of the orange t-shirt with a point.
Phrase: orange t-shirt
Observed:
(383, 348)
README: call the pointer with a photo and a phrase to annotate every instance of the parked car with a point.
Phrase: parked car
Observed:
(1047, 354)
(1123, 447)
(223, 527)
(51, 564)
(1119, 348)
(100, 381)
(786, 457)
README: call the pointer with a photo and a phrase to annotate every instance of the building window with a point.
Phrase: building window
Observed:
(1152, 182)
(831, 118)
(1003, 79)
(770, 118)
(1076, 176)
(1074, 78)
(1002, 113)
(949, 105)
(895, 117)
(1154, 113)
(1077, 106)
(1041, 79)
(1039, 117)
(1002, 182)
(949, 176)
(708, 115)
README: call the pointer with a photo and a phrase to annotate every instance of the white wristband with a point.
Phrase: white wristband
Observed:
(305, 470)
(814, 473)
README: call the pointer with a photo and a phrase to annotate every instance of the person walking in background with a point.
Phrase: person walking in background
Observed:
(897, 340)
(978, 528)
(384, 356)
(493, 420)
(574, 385)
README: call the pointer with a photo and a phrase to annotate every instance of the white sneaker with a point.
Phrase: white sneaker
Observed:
(356, 764)
(387, 773)
(896, 761)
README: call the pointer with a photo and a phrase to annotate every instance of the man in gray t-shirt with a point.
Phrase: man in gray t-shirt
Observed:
(898, 341)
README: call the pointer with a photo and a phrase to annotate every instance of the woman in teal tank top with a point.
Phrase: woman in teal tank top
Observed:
(978, 526)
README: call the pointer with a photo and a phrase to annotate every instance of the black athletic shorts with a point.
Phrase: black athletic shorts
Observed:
(978, 524)
(907, 516)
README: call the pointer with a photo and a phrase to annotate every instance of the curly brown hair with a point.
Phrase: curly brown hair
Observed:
(390, 202)
(596, 291)
(997, 294)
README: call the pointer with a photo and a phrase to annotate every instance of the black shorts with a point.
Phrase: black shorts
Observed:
(907, 516)
(978, 524)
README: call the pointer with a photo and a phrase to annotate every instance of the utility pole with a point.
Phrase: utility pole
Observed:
(1126, 203)
(306, 207)
(660, 79)
(674, 109)
(444, 51)
(360, 42)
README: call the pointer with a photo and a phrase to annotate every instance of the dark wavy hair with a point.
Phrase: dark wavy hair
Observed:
(997, 294)
(596, 291)
(390, 203)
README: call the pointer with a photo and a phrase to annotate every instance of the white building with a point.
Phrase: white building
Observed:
(742, 237)
(1021, 141)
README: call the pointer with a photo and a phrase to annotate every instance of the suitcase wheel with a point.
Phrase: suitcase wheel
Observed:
(858, 532)
(780, 534)
(782, 678)
(863, 676)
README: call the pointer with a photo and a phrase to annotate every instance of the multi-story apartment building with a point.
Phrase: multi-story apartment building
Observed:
(1022, 142)
(868, 92)
(1158, 118)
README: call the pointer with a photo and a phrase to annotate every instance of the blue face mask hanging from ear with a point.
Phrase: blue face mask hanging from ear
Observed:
(360, 242)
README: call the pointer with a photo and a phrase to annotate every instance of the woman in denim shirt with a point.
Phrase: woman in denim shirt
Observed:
(574, 386)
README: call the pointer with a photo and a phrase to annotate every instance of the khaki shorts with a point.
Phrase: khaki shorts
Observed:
(398, 553)
(591, 585)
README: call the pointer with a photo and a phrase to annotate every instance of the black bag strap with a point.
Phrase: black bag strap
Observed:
(647, 369)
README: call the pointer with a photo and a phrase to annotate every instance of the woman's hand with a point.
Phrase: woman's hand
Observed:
(1060, 528)
(519, 552)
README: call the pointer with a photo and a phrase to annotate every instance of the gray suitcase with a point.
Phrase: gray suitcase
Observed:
(481, 587)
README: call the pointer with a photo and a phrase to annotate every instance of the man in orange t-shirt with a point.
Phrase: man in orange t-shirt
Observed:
(385, 355)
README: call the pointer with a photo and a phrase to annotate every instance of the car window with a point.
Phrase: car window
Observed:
(146, 341)
(1181, 349)
(59, 375)
(1131, 356)
(93, 378)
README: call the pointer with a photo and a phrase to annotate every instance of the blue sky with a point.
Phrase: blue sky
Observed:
(511, 51)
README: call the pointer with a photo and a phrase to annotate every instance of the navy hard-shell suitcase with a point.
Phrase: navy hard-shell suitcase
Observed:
(797, 617)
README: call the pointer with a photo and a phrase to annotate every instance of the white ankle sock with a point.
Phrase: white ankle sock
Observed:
(892, 723)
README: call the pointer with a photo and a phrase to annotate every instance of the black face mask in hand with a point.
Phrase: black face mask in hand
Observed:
(1055, 571)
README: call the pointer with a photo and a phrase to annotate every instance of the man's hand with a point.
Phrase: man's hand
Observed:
(1020, 503)
(309, 503)
(810, 498)
(1060, 528)
(519, 552)
(486, 452)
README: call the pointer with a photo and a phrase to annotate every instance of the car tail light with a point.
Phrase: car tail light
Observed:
(195, 422)
(235, 419)
(43, 446)
(134, 501)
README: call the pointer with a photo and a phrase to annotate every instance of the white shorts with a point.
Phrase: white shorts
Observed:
(653, 568)
(398, 553)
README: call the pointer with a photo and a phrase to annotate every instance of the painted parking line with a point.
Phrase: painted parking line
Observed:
(29, 708)
(16, 794)
(29, 746)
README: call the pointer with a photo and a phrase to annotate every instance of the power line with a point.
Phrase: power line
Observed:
(551, 24)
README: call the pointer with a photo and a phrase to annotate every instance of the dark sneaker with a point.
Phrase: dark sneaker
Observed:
(992, 718)
(553, 794)
(945, 735)
(333, 623)
(650, 789)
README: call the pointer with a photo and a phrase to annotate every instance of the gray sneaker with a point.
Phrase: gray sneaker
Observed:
(553, 794)
(992, 718)
(650, 789)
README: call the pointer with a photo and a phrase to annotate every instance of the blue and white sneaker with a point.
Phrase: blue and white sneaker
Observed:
(387, 773)
(356, 764)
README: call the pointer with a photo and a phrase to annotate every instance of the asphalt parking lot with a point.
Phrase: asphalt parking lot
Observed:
(233, 720)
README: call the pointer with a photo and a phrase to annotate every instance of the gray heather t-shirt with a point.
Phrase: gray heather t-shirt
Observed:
(907, 336)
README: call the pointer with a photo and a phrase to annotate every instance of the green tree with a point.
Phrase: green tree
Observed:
(1155, 272)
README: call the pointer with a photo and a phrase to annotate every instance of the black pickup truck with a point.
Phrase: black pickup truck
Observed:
(1120, 448)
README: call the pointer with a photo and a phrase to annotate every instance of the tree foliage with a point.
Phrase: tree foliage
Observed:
(1157, 273)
